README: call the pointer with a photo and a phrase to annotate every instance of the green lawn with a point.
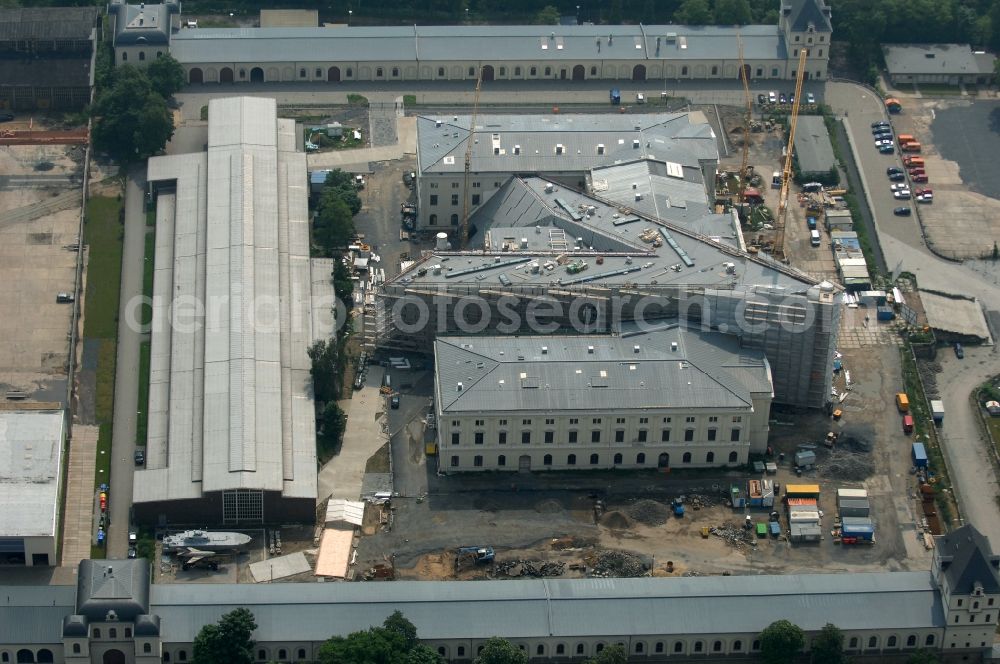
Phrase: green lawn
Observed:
(937, 89)
(147, 278)
(143, 403)
(103, 234)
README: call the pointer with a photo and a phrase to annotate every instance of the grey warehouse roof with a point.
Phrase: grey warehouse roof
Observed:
(559, 607)
(30, 458)
(916, 59)
(812, 145)
(468, 44)
(34, 614)
(232, 390)
(560, 143)
(597, 372)
(47, 23)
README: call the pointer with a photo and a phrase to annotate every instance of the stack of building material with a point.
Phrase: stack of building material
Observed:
(853, 503)
(803, 514)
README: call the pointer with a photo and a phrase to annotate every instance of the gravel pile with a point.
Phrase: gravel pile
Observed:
(620, 564)
(843, 464)
(513, 569)
(649, 512)
(735, 535)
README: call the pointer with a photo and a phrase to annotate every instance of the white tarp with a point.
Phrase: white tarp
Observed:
(347, 511)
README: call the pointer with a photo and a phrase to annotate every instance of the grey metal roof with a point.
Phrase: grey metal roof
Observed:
(812, 145)
(917, 59)
(30, 461)
(547, 373)
(805, 13)
(968, 561)
(143, 24)
(34, 614)
(531, 143)
(232, 390)
(30, 23)
(559, 607)
(121, 586)
(56, 72)
(474, 45)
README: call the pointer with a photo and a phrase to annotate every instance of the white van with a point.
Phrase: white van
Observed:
(814, 238)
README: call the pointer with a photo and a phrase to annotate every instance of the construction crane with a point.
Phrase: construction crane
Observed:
(744, 176)
(786, 174)
(464, 232)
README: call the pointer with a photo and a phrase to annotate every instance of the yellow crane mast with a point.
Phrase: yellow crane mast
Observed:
(786, 174)
(744, 176)
(464, 239)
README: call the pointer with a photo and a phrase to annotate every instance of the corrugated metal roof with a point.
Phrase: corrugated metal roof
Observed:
(34, 614)
(500, 373)
(31, 23)
(917, 59)
(240, 245)
(564, 607)
(473, 44)
(30, 463)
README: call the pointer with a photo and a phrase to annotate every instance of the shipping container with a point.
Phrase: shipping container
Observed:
(755, 493)
(805, 532)
(767, 487)
(885, 313)
(919, 454)
(775, 528)
(852, 493)
(937, 411)
(808, 503)
(859, 532)
(803, 516)
(902, 402)
(802, 490)
(854, 507)
(805, 459)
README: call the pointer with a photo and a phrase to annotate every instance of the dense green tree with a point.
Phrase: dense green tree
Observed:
(392, 643)
(343, 285)
(228, 641)
(693, 12)
(828, 646)
(132, 121)
(332, 423)
(334, 226)
(324, 369)
(548, 15)
(780, 642)
(732, 12)
(615, 16)
(341, 185)
(611, 655)
(166, 75)
(501, 651)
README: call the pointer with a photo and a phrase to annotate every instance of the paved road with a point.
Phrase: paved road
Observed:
(40, 209)
(903, 247)
(127, 371)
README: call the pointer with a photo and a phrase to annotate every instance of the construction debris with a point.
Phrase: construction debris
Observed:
(617, 564)
(735, 535)
(649, 512)
(517, 568)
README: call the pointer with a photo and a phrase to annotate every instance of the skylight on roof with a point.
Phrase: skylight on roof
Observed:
(675, 170)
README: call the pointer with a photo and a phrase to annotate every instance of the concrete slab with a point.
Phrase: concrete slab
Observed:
(78, 511)
(957, 314)
(342, 476)
(279, 567)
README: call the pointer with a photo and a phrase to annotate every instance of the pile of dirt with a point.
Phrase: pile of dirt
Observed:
(549, 507)
(649, 512)
(615, 520)
(511, 569)
(618, 564)
(847, 466)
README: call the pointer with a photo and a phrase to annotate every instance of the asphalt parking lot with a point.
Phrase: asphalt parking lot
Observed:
(969, 135)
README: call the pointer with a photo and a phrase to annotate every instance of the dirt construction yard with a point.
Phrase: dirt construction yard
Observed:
(620, 523)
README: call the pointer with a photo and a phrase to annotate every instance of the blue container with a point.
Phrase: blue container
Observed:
(886, 313)
(919, 455)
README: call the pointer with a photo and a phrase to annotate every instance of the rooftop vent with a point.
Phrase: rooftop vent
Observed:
(560, 148)
(496, 151)
(458, 387)
(437, 123)
(590, 350)
(635, 185)
(600, 148)
(545, 350)
(673, 346)
(638, 196)
(524, 243)
(549, 188)
(635, 144)
(517, 149)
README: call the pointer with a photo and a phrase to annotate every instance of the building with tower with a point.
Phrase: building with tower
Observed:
(654, 53)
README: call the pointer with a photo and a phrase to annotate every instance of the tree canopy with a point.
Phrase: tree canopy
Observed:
(501, 651)
(228, 641)
(547, 15)
(611, 655)
(828, 646)
(395, 642)
(166, 75)
(132, 121)
(780, 642)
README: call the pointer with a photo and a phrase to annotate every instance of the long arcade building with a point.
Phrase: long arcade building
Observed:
(114, 614)
(460, 52)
